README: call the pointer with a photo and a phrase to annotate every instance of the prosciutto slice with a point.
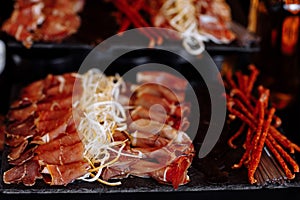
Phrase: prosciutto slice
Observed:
(26, 173)
(65, 174)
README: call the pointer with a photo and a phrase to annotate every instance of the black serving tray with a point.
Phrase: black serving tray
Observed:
(211, 177)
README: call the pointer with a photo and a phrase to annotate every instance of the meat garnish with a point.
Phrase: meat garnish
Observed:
(260, 125)
(43, 20)
(92, 138)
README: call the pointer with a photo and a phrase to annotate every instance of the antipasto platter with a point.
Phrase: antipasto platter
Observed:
(36, 120)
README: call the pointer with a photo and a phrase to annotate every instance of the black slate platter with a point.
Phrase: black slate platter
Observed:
(209, 174)
(212, 173)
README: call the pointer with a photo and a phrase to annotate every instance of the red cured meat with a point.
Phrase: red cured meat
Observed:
(64, 174)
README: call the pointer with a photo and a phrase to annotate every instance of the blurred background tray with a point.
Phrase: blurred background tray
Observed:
(98, 23)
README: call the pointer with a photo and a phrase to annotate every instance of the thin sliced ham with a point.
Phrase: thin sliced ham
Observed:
(65, 140)
(37, 95)
(17, 151)
(24, 157)
(32, 173)
(162, 78)
(15, 174)
(63, 155)
(55, 104)
(65, 174)
(58, 125)
(23, 113)
(26, 173)
(25, 128)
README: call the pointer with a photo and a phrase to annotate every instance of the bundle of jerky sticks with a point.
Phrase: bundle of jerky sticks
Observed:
(268, 151)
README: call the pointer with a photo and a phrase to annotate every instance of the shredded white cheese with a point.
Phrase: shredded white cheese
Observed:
(102, 115)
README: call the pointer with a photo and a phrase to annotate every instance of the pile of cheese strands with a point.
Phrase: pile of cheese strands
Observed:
(74, 127)
(102, 116)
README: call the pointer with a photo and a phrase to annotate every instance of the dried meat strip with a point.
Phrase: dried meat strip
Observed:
(65, 174)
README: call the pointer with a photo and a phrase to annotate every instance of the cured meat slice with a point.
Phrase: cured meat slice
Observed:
(64, 174)
(25, 128)
(58, 131)
(56, 103)
(48, 115)
(27, 173)
(24, 157)
(17, 151)
(175, 173)
(64, 90)
(63, 155)
(215, 30)
(163, 91)
(69, 6)
(14, 175)
(21, 114)
(65, 140)
(28, 94)
(162, 78)
(55, 125)
(32, 173)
